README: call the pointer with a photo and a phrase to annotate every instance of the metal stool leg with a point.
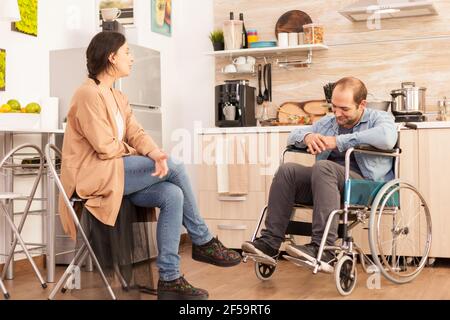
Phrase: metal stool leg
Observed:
(2, 287)
(24, 247)
(14, 244)
(81, 252)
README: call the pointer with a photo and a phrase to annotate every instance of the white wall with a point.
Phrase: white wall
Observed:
(187, 74)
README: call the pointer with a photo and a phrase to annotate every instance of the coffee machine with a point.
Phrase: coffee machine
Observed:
(114, 26)
(235, 104)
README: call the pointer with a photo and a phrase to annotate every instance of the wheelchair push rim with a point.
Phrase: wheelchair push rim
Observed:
(400, 239)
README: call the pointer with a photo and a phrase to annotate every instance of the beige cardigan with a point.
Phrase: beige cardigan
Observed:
(92, 162)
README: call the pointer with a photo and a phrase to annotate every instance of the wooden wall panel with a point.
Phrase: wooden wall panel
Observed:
(407, 49)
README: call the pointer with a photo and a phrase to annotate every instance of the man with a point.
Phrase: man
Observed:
(322, 184)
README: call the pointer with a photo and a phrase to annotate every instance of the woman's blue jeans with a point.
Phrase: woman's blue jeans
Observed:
(174, 196)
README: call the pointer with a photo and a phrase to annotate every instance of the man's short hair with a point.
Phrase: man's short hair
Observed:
(358, 87)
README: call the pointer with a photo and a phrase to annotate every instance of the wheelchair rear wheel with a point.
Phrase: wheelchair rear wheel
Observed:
(264, 271)
(345, 275)
(400, 237)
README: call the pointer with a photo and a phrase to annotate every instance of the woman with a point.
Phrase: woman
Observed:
(107, 155)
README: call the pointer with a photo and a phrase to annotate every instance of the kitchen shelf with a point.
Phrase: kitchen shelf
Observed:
(274, 50)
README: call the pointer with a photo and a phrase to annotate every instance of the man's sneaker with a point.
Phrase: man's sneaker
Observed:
(180, 289)
(214, 252)
(309, 251)
(261, 250)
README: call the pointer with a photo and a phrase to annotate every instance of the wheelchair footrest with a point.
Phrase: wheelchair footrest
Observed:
(324, 267)
(260, 259)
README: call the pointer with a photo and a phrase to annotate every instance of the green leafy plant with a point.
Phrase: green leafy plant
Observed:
(28, 15)
(2, 69)
(216, 36)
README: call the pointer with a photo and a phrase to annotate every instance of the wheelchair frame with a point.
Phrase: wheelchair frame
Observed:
(345, 261)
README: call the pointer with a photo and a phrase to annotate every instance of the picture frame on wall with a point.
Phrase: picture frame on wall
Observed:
(161, 17)
(2, 69)
(28, 23)
(125, 10)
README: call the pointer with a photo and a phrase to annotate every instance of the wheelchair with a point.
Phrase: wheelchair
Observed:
(399, 229)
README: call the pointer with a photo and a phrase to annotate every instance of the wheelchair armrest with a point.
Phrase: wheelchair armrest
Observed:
(368, 148)
(292, 148)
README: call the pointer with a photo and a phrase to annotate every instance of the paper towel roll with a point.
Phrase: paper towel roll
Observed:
(49, 113)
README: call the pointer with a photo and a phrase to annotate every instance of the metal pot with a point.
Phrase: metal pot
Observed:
(409, 99)
(379, 105)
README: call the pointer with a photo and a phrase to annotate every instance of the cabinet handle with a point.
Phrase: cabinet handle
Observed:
(232, 227)
(231, 198)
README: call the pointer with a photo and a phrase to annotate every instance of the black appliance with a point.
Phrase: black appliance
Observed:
(239, 94)
(413, 116)
(115, 26)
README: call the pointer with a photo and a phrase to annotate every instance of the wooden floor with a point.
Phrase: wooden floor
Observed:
(240, 283)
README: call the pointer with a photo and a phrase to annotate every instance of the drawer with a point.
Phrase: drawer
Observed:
(207, 177)
(246, 207)
(232, 233)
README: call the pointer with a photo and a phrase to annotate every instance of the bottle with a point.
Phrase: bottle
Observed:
(244, 32)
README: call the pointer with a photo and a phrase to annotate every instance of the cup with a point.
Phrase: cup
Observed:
(293, 39)
(283, 39)
(230, 68)
(229, 112)
(246, 67)
(301, 38)
(240, 60)
(251, 60)
(110, 14)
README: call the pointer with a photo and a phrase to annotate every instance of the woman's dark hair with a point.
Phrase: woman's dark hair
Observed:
(99, 50)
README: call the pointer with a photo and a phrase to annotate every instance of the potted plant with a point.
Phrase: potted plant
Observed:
(216, 38)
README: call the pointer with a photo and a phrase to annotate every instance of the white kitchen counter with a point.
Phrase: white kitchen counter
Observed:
(429, 125)
(248, 129)
(22, 130)
(243, 130)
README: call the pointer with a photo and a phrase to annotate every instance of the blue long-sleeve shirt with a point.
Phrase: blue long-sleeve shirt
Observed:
(376, 128)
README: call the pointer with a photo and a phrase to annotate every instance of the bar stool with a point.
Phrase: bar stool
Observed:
(86, 248)
(6, 200)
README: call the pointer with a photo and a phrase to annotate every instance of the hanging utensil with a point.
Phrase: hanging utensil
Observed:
(269, 81)
(266, 87)
(260, 97)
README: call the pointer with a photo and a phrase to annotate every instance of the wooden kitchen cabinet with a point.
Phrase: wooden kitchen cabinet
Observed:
(423, 163)
(232, 218)
(433, 175)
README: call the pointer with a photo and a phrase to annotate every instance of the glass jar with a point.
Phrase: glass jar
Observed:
(252, 35)
(314, 33)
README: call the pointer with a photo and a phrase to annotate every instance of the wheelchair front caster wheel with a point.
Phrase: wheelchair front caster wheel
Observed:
(6, 295)
(264, 271)
(44, 285)
(345, 275)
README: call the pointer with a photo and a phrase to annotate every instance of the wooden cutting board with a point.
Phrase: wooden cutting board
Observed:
(307, 111)
(292, 21)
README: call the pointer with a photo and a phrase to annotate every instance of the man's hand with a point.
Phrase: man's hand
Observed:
(318, 143)
(161, 167)
(330, 142)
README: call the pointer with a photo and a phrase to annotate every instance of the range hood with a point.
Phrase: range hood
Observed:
(388, 9)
